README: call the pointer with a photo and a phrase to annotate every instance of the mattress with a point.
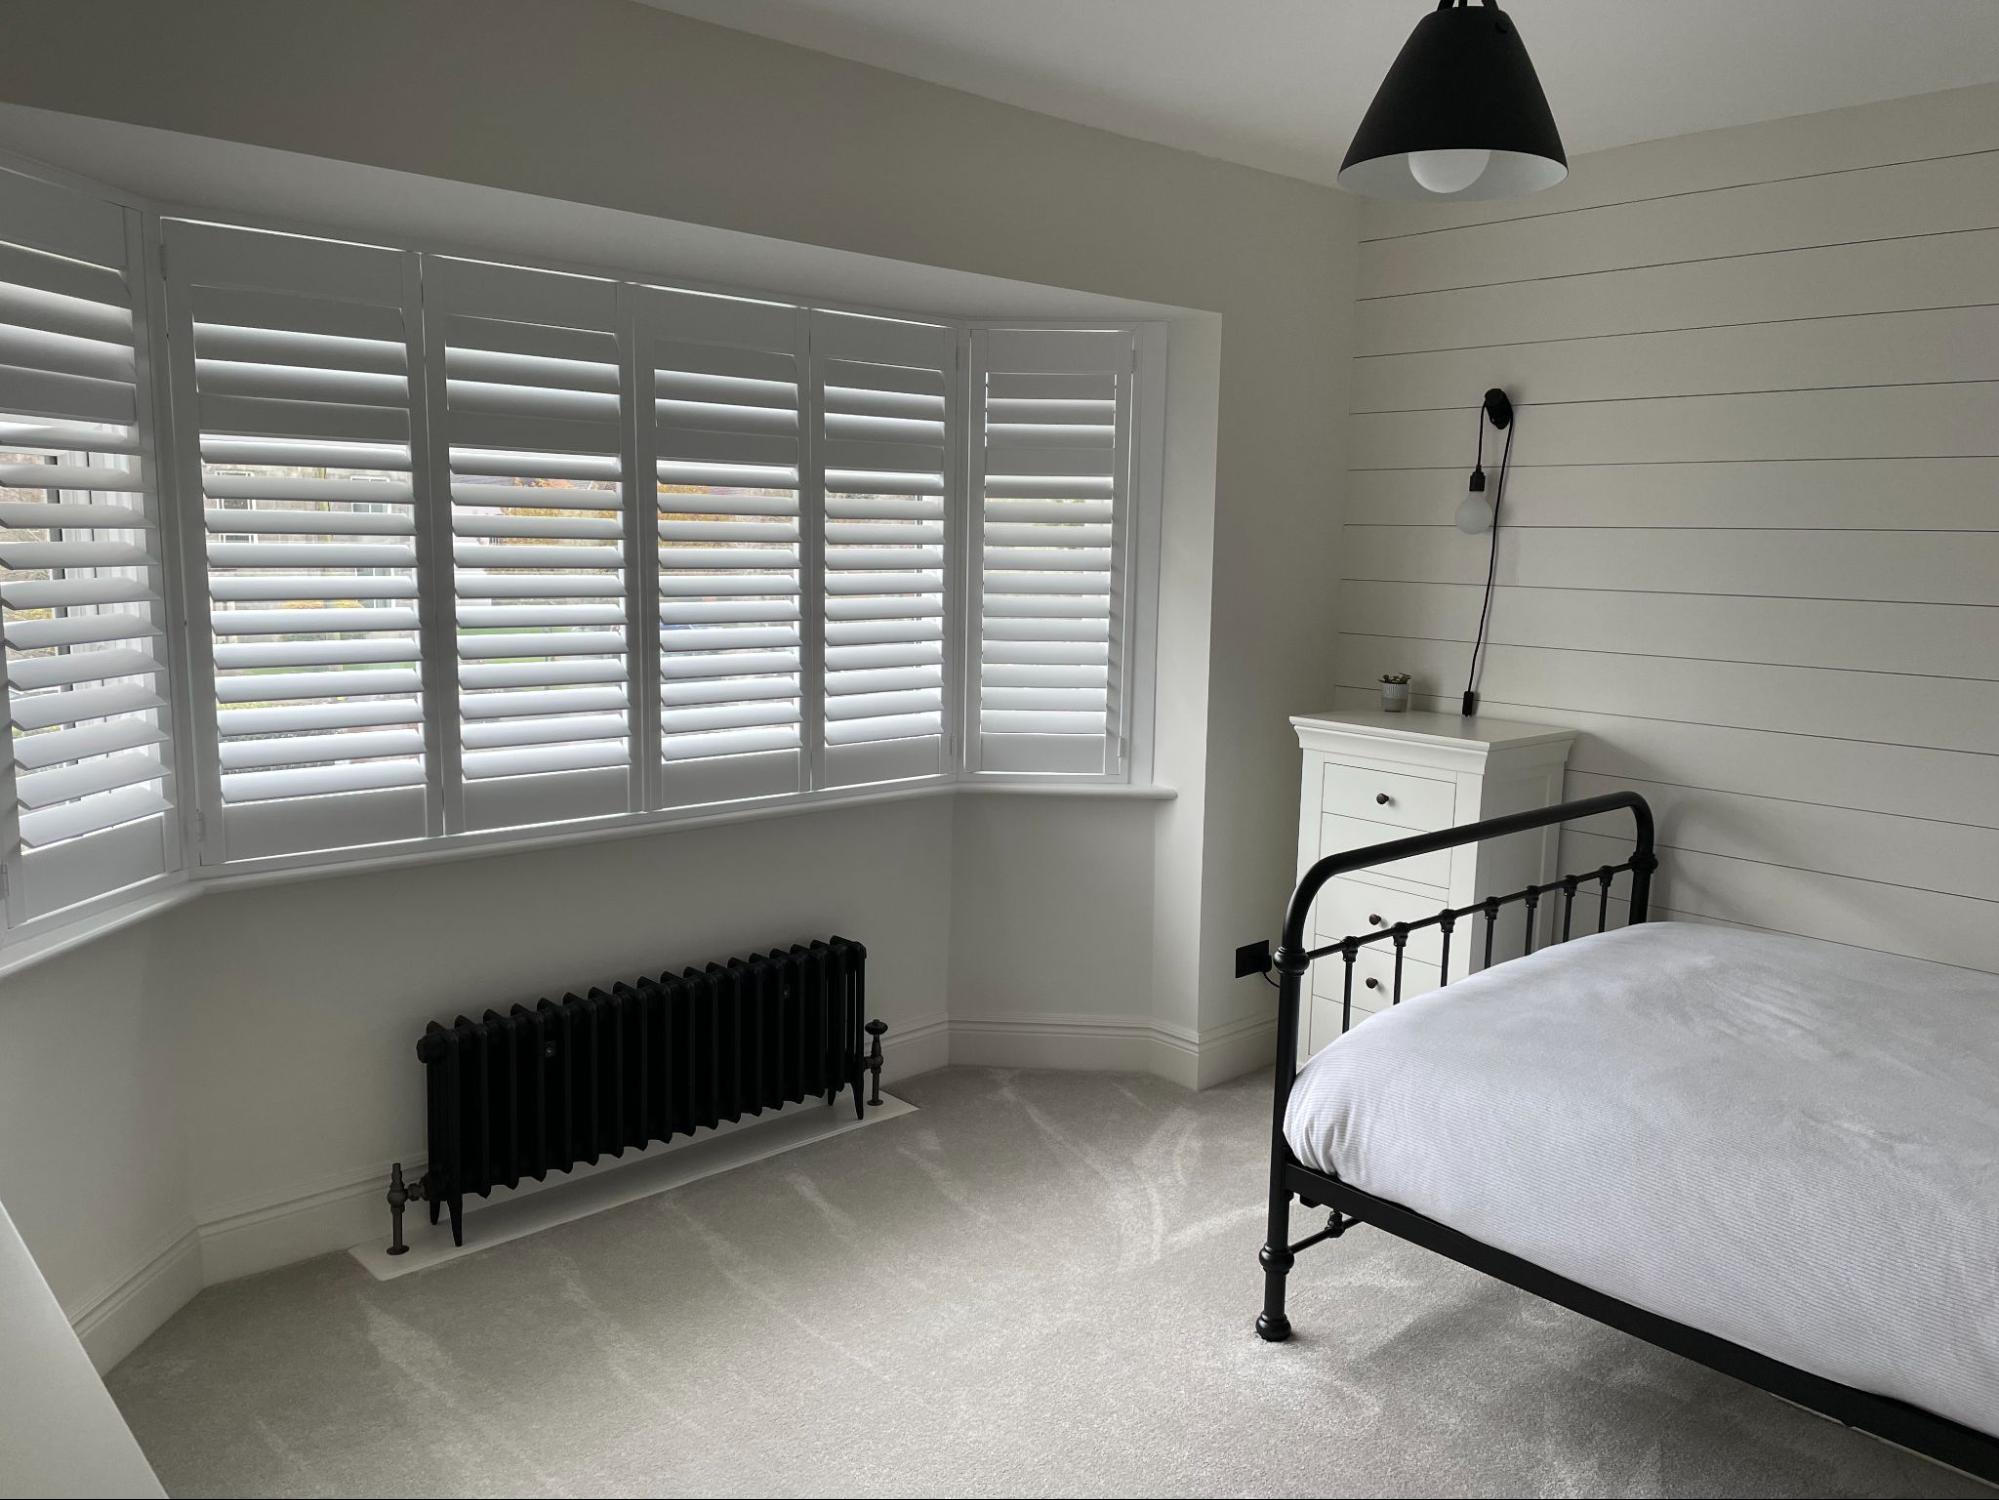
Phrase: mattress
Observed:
(1788, 1143)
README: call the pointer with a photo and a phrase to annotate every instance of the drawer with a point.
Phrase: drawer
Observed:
(1407, 801)
(1376, 965)
(1337, 834)
(1324, 1015)
(1348, 908)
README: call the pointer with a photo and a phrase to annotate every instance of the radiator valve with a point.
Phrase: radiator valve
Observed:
(400, 1194)
(876, 1029)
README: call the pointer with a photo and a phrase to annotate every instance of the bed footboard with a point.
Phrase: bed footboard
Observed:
(1293, 960)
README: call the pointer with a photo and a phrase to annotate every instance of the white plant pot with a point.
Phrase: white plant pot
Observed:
(1394, 697)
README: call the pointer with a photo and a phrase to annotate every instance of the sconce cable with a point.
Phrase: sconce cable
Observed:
(1470, 705)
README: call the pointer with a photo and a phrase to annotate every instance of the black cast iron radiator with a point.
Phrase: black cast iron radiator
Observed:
(538, 1090)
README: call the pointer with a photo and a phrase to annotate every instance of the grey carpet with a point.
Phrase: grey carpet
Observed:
(1042, 1284)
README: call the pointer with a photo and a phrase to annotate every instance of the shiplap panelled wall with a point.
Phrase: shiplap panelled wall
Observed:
(1750, 543)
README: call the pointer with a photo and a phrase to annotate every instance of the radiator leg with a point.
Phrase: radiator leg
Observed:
(457, 1220)
(877, 1030)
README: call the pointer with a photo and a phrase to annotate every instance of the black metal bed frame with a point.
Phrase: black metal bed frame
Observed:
(1911, 1427)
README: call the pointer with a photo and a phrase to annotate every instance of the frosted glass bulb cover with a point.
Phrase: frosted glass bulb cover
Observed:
(1474, 514)
(1449, 171)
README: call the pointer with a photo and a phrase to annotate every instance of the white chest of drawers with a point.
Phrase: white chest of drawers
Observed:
(1370, 777)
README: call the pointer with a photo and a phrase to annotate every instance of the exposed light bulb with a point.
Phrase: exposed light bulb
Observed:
(1450, 171)
(1475, 514)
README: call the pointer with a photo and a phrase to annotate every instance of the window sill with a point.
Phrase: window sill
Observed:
(35, 948)
(28, 951)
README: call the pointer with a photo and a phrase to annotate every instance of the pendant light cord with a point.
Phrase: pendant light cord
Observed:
(1470, 706)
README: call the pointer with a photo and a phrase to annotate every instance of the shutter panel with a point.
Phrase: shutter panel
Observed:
(881, 397)
(1051, 470)
(527, 373)
(88, 766)
(721, 377)
(297, 416)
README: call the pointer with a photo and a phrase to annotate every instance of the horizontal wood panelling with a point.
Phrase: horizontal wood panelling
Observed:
(1938, 566)
(1950, 857)
(1841, 140)
(1937, 713)
(1809, 354)
(1934, 196)
(1911, 494)
(1749, 548)
(1909, 421)
(1952, 270)
(1888, 918)
(1942, 785)
(1922, 639)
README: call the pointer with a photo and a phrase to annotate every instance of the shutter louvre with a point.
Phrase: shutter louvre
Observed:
(292, 364)
(532, 414)
(882, 396)
(1051, 476)
(723, 378)
(85, 759)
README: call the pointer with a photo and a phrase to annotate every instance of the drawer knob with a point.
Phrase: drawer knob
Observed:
(1382, 799)
(1374, 919)
(1374, 984)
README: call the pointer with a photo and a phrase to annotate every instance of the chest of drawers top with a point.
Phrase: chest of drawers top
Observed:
(1441, 742)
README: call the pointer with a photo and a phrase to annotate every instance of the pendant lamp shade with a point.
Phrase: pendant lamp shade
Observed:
(1460, 116)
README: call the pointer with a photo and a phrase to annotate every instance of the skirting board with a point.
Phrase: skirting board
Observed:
(114, 1321)
(1116, 1044)
(534, 1207)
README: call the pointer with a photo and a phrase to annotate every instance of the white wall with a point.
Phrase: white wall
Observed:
(1750, 547)
(289, 1013)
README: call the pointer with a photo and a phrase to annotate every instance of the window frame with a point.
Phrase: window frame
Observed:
(191, 748)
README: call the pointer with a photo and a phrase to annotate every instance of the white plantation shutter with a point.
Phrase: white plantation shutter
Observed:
(884, 453)
(526, 372)
(1051, 478)
(296, 418)
(720, 378)
(86, 764)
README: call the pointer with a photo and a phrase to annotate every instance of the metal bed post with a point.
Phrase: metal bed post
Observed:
(1293, 959)
(1276, 1258)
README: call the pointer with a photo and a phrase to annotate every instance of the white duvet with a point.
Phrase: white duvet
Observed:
(1791, 1144)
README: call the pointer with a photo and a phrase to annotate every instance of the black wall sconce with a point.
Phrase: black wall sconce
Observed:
(1478, 514)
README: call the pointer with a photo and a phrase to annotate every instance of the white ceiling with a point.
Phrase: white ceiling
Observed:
(1280, 84)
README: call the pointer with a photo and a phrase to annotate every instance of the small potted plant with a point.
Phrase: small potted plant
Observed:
(1394, 692)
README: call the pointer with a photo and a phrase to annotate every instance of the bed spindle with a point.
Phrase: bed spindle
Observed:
(1349, 951)
(1401, 939)
(1446, 923)
(1491, 921)
(1603, 899)
(1569, 883)
(1531, 904)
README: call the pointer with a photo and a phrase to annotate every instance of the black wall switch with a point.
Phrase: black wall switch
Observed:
(1252, 958)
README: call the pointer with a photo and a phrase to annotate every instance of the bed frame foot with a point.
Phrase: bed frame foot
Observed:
(1271, 1324)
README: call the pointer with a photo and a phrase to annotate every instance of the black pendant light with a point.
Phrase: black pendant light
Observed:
(1460, 115)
